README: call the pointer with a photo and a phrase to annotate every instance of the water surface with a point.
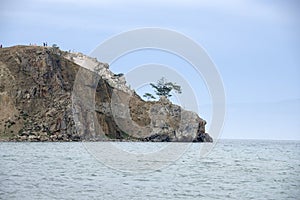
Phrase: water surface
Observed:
(234, 169)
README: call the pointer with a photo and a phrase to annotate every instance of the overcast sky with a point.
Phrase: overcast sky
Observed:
(254, 44)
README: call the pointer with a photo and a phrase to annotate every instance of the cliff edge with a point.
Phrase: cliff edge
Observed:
(39, 101)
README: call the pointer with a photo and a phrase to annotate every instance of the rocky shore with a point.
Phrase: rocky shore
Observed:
(37, 102)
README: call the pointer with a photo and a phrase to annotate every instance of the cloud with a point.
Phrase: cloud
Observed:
(255, 9)
(147, 11)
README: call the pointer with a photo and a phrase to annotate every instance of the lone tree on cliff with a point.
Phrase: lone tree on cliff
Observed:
(163, 88)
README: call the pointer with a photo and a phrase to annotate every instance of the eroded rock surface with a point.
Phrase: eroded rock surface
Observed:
(50, 95)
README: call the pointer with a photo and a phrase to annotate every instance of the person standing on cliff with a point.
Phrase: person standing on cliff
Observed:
(0, 46)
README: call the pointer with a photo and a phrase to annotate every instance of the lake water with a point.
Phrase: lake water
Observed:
(234, 169)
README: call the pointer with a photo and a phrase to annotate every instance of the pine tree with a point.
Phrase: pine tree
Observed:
(163, 87)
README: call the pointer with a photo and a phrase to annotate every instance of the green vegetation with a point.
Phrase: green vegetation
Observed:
(148, 96)
(163, 88)
(55, 50)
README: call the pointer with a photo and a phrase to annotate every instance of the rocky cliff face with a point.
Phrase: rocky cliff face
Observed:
(39, 101)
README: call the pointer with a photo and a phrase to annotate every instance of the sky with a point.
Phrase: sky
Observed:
(254, 44)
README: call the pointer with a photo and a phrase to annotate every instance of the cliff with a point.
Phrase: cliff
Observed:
(40, 100)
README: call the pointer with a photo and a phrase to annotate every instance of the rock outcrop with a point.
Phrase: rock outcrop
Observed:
(42, 98)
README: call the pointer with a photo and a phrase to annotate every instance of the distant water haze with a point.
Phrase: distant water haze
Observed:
(269, 120)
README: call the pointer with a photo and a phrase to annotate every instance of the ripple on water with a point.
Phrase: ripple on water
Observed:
(233, 170)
